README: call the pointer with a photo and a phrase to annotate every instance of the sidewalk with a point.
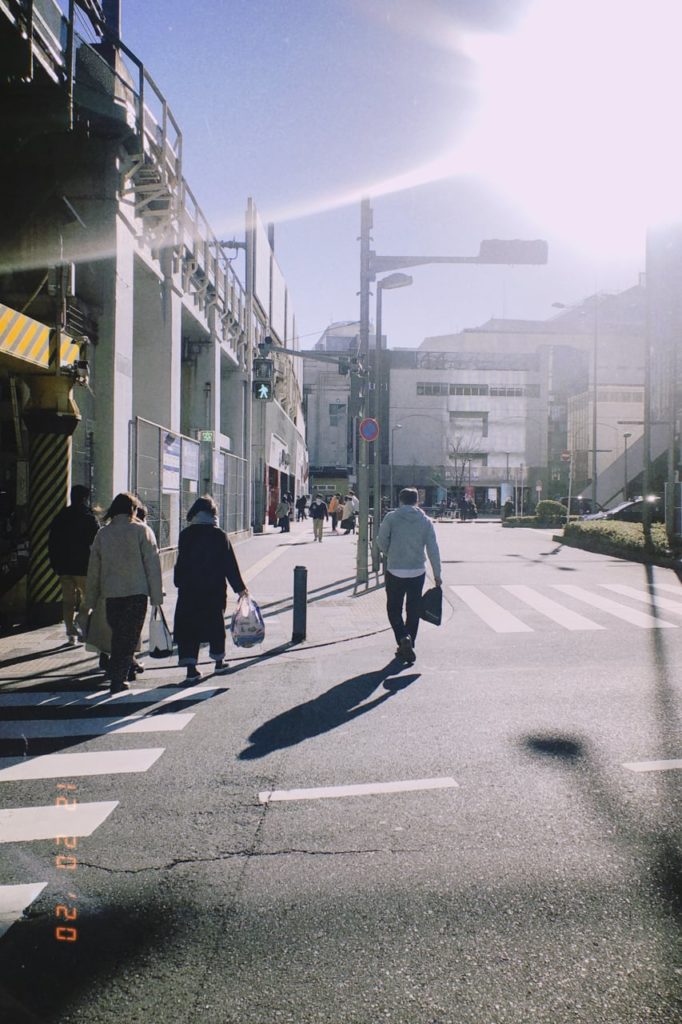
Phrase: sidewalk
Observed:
(335, 613)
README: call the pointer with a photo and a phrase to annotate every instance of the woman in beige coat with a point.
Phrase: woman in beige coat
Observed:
(125, 570)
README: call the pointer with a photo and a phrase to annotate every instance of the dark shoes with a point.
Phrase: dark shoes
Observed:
(406, 650)
(118, 688)
(193, 674)
(221, 667)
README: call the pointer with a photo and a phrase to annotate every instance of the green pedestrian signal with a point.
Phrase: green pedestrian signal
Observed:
(262, 390)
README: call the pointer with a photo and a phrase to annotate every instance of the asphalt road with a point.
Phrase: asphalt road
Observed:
(514, 871)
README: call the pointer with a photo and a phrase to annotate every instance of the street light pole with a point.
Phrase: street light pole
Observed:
(594, 401)
(398, 426)
(626, 435)
(378, 407)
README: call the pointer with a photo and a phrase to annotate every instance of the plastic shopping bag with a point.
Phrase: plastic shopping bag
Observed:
(160, 636)
(247, 626)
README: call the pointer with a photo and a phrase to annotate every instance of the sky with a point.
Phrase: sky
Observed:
(461, 119)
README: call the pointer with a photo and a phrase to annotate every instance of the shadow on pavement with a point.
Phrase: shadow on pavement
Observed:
(34, 656)
(332, 709)
(653, 838)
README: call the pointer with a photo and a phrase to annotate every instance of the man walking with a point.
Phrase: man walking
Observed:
(71, 535)
(403, 536)
(318, 514)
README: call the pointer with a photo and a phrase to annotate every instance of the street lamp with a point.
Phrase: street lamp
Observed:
(392, 281)
(398, 426)
(626, 436)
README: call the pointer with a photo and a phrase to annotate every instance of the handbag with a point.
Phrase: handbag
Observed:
(432, 606)
(160, 636)
(247, 626)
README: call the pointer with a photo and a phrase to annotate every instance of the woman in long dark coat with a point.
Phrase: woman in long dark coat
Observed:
(206, 563)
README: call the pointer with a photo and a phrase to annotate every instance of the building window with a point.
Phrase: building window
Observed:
(429, 388)
(337, 413)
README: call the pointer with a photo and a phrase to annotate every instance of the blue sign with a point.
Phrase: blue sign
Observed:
(369, 429)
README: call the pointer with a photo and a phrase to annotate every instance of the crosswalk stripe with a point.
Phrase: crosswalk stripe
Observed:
(672, 588)
(653, 766)
(493, 614)
(362, 789)
(32, 729)
(13, 902)
(57, 766)
(102, 699)
(565, 617)
(25, 824)
(620, 611)
(674, 607)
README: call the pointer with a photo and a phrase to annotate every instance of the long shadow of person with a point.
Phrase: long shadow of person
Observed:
(338, 706)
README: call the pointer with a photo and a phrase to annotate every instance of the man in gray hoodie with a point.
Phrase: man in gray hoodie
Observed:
(403, 536)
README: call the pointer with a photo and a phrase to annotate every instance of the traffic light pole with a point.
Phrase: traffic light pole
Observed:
(506, 252)
(362, 568)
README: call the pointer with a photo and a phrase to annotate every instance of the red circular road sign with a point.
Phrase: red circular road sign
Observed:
(369, 429)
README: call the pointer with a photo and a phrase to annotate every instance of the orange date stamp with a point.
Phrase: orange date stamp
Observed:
(66, 912)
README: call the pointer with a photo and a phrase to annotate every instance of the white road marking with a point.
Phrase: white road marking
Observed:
(493, 614)
(365, 789)
(674, 607)
(263, 563)
(24, 824)
(672, 588)
(556, 612)
(13, 902)
(102, 698)
(620, 611)
(58, 766)
(32, 729)
(653, 766)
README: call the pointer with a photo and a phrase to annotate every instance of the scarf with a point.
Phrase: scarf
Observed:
(204, 519)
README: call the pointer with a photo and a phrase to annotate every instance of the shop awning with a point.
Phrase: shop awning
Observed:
(24, 340)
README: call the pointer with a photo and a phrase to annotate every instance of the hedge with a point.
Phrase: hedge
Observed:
(626, 540)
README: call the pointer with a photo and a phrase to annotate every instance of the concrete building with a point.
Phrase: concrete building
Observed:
(111, 276)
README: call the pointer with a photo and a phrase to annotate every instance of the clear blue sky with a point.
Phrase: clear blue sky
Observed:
(299, 103)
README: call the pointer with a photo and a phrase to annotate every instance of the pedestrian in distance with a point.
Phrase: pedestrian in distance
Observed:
(348, 515)
(282, 514)
(301, 504)
(125, 570)
(71, 535)
(206, 563)
(334, 508)
(404, 535)
(318, 514)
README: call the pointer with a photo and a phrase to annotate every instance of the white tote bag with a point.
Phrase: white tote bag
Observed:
(160, 636)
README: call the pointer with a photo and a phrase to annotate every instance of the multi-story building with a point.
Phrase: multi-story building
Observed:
(111, 277)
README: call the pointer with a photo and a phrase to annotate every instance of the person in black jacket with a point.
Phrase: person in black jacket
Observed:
(71, 535)
(206, 563)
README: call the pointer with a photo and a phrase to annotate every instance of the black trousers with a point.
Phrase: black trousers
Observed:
(126, 617)
(401, 590)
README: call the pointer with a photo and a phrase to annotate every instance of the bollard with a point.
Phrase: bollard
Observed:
(300, 604)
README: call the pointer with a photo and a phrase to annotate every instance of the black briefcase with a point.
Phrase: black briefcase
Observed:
(432, 606)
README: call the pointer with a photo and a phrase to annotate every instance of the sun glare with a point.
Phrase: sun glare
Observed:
(577, 116)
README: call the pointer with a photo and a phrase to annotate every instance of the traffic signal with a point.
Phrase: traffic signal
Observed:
(263, 369)
(263, 390)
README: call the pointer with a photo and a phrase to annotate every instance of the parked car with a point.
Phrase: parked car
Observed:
(633, 511)
(579, 506)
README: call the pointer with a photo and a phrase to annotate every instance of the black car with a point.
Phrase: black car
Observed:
(632, 511)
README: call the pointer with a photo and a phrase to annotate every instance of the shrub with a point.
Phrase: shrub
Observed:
(548, 509)
(609, 537)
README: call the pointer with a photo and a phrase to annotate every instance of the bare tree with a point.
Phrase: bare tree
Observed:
(461, 451)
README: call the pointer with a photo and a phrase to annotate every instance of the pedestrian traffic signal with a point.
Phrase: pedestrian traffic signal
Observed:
(263, 369)
(263, 391)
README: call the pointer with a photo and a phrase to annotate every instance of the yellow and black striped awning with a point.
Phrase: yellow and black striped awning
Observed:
(26, 340)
